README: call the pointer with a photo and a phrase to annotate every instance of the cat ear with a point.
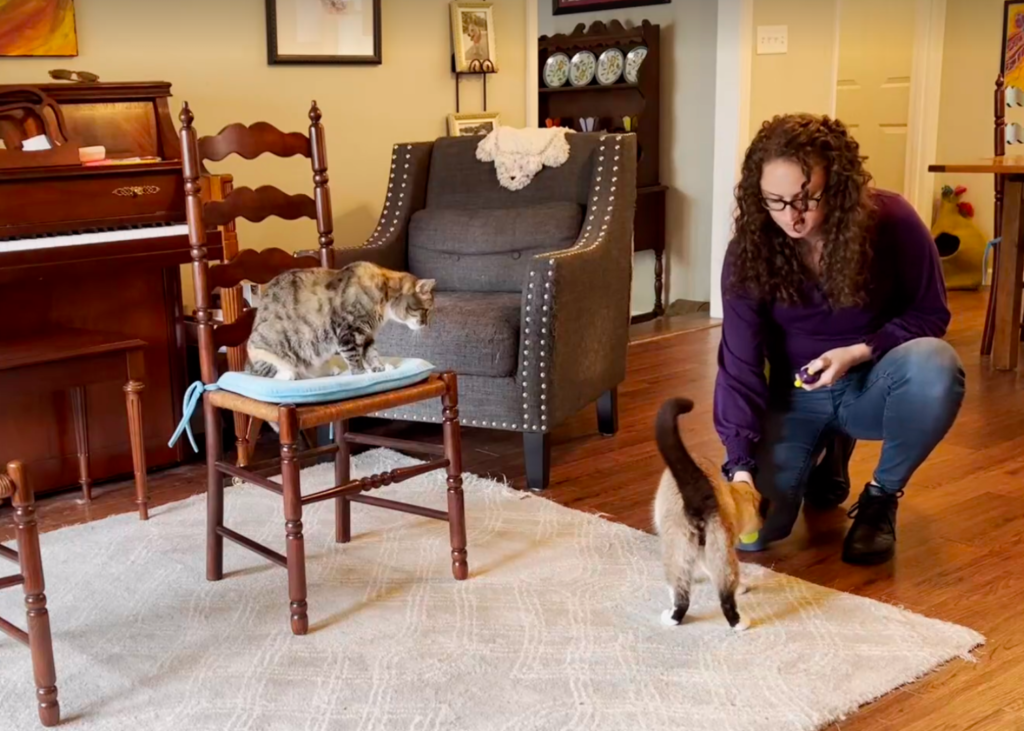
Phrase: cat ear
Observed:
(425, 286)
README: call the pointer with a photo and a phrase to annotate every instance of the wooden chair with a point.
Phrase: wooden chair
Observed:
(999, 150)
(260, 268)
(14, 484)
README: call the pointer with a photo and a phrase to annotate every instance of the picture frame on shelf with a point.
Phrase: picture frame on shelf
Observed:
(1011, 61)
(470, 124)
(473, 37)
(346, 32)
(564, 7)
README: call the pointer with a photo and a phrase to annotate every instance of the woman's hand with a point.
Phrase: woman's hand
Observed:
(834, 364)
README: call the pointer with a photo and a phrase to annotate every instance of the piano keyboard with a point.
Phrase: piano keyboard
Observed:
(94, 237)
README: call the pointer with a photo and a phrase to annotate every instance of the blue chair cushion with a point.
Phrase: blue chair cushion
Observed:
(402, 372)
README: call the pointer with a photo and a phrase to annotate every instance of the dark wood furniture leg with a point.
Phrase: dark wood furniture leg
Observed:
(214, 494)
(133, 395)
(659, 281)
(38, 637)
(989, 331)
(79, 417)
(453, 453)
(1006, 345)
(342, 475)
(608, 412)
(537, 453)
(294, 542)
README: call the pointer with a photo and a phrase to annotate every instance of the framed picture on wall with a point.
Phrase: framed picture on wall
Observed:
(323, 31)
(473, 37)
(563, 7)
(1012, 60)
(469, 124)
(38, 28)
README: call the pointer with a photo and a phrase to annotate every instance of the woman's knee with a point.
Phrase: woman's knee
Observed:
(929, 370)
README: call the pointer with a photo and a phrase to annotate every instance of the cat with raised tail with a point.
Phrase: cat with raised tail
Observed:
(699, 521)
(307, 317)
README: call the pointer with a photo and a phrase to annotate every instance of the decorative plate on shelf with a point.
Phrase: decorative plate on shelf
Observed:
(633, 60)
(582, 68)
(609, 66)
(556, 70)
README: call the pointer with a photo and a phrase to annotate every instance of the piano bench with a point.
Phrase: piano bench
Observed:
(70, 359)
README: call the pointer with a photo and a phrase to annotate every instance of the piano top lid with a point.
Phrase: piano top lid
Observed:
(129, 119)
(99, 91)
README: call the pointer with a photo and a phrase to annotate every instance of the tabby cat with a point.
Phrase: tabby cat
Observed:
(306, 317)
(699, 520)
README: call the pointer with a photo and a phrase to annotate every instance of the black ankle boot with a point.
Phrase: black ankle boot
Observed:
(829, 483)
(872, 537)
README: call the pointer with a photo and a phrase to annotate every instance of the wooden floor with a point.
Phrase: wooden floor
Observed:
(961, 525)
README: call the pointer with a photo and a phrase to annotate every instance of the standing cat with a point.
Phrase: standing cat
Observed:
(698, 520)
(308, 316)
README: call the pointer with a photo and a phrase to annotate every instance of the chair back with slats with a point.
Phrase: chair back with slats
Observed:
(257, 267)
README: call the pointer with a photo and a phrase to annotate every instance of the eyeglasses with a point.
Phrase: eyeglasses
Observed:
(802, 204)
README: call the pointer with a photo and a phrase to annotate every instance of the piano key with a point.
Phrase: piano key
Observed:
(96, 237)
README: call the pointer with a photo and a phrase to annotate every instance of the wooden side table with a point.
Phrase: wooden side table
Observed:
(1009, 264)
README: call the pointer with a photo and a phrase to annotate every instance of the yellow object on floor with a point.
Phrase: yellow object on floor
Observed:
(960, 242)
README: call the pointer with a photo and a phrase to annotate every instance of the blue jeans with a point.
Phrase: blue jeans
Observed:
(908, 401)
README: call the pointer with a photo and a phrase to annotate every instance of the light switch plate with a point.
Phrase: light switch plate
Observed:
(772, 39)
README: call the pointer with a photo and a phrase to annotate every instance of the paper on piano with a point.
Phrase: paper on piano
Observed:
(92, 154)
(36, 144)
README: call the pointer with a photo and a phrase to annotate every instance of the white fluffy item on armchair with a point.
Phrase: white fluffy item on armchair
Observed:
(519, 154)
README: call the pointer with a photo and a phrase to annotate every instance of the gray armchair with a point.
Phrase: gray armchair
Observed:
(533, 286)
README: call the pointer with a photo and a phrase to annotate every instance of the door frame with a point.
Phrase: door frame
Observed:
(925, 92)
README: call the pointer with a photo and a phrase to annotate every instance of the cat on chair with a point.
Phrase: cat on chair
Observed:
(698, 521)
(308, 317)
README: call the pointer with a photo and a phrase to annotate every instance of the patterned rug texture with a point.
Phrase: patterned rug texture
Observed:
(558, 627)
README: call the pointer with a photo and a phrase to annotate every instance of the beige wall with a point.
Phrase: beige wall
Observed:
(970, 64)
(802, 80)
(688, 39)
(214, 53)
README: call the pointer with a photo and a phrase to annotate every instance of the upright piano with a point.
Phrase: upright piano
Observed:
(96, 247)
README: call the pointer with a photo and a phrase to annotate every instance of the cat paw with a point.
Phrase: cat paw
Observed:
(668, 619)
(377, 368)
(336, 371)
(741, 626)
(389, 366)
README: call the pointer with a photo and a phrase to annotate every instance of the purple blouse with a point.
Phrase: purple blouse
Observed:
(907, 300)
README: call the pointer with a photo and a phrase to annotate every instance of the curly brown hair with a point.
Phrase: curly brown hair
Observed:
(764, 261)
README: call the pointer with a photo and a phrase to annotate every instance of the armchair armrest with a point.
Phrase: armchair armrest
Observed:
(406, 194)
(575, 313)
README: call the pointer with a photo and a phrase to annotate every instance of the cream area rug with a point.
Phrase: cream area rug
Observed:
(558, 627)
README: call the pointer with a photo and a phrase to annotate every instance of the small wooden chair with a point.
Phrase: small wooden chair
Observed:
(14, 484)
(261, 267)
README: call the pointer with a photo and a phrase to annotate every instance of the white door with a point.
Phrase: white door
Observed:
(876, 50)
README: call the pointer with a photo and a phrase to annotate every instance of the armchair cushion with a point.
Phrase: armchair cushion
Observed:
(488, 250)
(473, 334)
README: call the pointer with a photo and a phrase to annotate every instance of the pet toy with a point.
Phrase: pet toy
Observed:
(805, 378)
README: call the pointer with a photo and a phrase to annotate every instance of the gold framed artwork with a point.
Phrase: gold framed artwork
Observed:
(471, 124)
(473, 37)
(34, 28)
(1013, 44)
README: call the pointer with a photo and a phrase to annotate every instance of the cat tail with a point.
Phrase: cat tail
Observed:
(694, 486)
